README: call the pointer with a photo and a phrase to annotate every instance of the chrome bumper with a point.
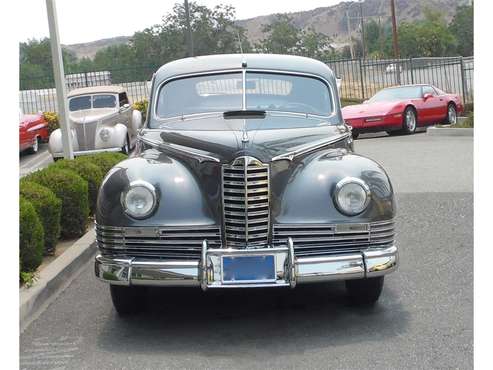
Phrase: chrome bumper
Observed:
(88, 152)
(206, 273)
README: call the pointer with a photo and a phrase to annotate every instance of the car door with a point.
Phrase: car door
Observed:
(431, 107)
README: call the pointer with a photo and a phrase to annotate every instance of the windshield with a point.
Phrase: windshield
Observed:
(94, 101)
(398, 93)
(224, 92)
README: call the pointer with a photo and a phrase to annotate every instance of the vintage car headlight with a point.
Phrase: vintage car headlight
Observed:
(140, 200)
(104, 134)
(352, 196)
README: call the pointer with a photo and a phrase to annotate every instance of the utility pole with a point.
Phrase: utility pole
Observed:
(59, 74)
(349, 35)
(363, 51)
(394, 30)
(395, 41)
(189, 30)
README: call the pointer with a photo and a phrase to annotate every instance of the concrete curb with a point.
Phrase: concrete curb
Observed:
(54, 278)
(449, 131)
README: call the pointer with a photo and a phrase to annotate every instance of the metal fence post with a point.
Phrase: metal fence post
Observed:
(412, 71)
(361, 79)
(462, 76)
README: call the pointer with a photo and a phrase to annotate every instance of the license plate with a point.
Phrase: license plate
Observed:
(248, 269)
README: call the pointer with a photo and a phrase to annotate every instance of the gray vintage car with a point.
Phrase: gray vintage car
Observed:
(244, 176)
(101, 120)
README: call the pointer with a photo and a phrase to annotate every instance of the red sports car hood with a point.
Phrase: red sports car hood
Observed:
(368, 110)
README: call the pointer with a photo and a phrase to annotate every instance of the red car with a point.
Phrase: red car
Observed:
(402, 109)
(33, 129)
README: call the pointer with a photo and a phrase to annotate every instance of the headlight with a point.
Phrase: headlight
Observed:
(351, 196)
(104, 134)
(140, 199)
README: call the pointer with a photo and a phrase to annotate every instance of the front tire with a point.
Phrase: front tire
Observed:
(451, 114)
(365, 291)
(35, 147)
(355, 134)
(127, 300)
(410, 121)
(126, 146)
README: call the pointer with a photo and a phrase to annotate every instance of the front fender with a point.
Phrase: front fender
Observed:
(55, 141)
(302, 191)
(118, 135)
(182, 201)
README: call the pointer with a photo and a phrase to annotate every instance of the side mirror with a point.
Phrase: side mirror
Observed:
(427, 96)
(136, 120)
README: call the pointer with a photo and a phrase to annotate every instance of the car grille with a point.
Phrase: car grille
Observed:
(157, 242)
(246, 202)
(323, 239)
(86, 134)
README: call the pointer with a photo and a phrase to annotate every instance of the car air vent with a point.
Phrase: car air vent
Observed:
(246, 202)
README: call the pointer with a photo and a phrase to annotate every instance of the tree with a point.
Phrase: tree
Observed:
(283, 37)
(462, 27)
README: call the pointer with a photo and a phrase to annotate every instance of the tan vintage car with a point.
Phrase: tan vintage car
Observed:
(101, 119)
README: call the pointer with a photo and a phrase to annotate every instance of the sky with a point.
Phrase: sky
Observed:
(89, 20)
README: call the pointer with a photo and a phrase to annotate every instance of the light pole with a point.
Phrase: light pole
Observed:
(395, 41)
(363, 51)
(59, 74)
(189, 30)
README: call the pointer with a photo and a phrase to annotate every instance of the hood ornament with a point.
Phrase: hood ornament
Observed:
(244, 137)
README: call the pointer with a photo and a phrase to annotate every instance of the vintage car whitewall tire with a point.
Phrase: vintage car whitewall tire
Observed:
(35, 147)
(365, 291)
(128, 300)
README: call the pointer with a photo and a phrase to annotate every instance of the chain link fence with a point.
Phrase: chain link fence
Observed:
(361, 78)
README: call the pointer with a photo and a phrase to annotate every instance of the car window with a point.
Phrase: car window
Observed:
(122, 97)
(397, 93)
(79, 103)
(200, 94)
(104, 101)
(429, 90)
(287, 93)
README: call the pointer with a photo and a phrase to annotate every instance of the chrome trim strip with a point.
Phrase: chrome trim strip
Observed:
(180, 149)
(311, 147)
(87, 152)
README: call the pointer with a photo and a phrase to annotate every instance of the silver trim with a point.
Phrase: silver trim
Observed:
(144, 184)
(88, 152)
(351, 180)
(311, 147)
(180, 149)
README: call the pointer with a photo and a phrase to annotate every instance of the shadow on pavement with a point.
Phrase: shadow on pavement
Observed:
(233, 322)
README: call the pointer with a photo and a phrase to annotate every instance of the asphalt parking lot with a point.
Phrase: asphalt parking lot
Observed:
(424, 319)
(32, 162)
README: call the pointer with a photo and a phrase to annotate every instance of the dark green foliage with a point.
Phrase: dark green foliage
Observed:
(72, 190)
(31, 236)
(462, 27)
(48, 207)
(89, 172)
(103, 160)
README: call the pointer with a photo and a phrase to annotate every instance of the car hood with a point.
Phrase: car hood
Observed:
(264, 138)
(369, 109)
(91, 115)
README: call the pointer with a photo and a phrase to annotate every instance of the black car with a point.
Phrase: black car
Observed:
(244, 176)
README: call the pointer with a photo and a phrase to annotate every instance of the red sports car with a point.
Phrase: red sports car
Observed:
(402, 109)
(33, 129)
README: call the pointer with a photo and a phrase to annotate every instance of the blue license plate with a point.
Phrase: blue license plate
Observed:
(249, 269)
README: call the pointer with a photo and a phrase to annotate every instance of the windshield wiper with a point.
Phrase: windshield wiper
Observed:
(249, 113)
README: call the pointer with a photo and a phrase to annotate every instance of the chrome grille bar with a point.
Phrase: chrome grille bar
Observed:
(246, 195)
(324, 239)
(157, 242)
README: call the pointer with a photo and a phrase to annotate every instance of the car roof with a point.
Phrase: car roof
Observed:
(112, 89)
(226, 62)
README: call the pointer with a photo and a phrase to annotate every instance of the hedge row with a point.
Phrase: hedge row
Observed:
(56, 202)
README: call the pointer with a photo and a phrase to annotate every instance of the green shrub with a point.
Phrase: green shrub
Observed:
(48, 207)
(72, 190)
(103, 160)
(31, 237)
(89, 172)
